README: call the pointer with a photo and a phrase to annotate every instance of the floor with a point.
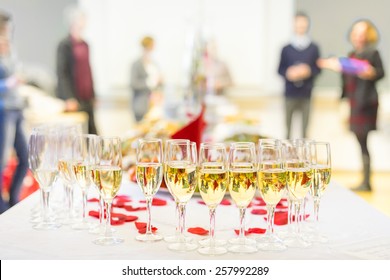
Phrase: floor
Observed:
(329, 122)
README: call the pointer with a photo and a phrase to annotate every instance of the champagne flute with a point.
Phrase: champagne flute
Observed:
(212, 181)
(43, 160)
(107, 175)
(321, 168)
(181, 180)
(67, 133)
(84, 153)
(173, 237)
(299, 178)
(272, 185)
(149, 176)
(242, 188)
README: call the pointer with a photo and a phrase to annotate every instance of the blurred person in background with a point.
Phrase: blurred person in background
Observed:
(145, 79)
(74, 74)
(359, 80)
(11, 116)
(299, 69)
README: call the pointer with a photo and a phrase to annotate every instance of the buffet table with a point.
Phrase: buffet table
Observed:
(355, 230)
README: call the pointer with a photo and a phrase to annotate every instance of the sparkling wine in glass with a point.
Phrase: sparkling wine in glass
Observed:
(242, 188)
(149, 177)
(176, 236)
(213, 181)
(107, 176)
(272, 185)
(321, 173)
(43, 160)
(299, 179)
(84, 153)
(181, 177)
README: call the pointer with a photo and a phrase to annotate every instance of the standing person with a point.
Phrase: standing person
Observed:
(145, 78)
(11, 116)
(298, 68)
(359, 86)
(74, 75)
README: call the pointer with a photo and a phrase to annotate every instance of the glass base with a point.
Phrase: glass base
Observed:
(217, 242)
(100, 229)
(47, 226)
(149, 237)
(108, 241)
(243, 249)
(271, 243)
(212, 251)
(175, 238)
(317, 238)
(81, 226)
(295, 241)
(242, 241)
(182, 247)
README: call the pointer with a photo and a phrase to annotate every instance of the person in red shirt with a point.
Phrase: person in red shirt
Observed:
(74, 75)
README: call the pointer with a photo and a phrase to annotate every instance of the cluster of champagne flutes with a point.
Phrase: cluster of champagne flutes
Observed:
(82, 160)
(279, 168)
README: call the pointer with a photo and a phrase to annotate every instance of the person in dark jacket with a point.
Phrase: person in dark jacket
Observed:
(298, 68)
(74, 75)
(359, 86)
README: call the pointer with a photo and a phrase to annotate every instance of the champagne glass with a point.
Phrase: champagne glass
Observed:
(321, 168)
(212, 181)
(173, 237)
(181, 180)
(242, 188)
(84, 153)
(272, 185)
(299, 178)
(67, 133)
(43, 160)
(107, 175)
(149, 176)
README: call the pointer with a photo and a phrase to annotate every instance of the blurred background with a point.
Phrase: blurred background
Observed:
(248, 36)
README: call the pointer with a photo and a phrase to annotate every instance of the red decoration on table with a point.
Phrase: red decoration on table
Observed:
(156, 202)
(281, 218)
(251, 230)
(281, 205)
(94, 199)
(260, 202)
(198, 231)
(116, 218)
(259, 211)
(193, 131)
(141, 227)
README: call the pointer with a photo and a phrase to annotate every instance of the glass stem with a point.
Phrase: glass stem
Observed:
(270, 219)
(148, 207)
(212, 227)
(108, 219)
(296, 217)
(84, 194)
(242, 223)
(177, 217)
(66, 197)
(182, 213)
(316, 211)
(101, 210)
(290, 213)
(45, 205)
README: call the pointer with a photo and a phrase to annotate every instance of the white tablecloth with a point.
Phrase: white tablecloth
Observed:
(355, 230)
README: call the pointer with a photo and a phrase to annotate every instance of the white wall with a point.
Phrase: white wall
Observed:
(249, 36)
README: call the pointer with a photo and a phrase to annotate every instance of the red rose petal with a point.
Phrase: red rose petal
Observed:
(201, 202)
(280, 218)
(94, 214)
(198, 231)
(225, 202)
(284, 200)
(259, 211)
(93, 199)
(281, 206)
(260, 202)
(141, 227)
(123, 197)
(156, 202)
(251, 230)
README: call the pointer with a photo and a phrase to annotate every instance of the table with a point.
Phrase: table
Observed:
(355, 229)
